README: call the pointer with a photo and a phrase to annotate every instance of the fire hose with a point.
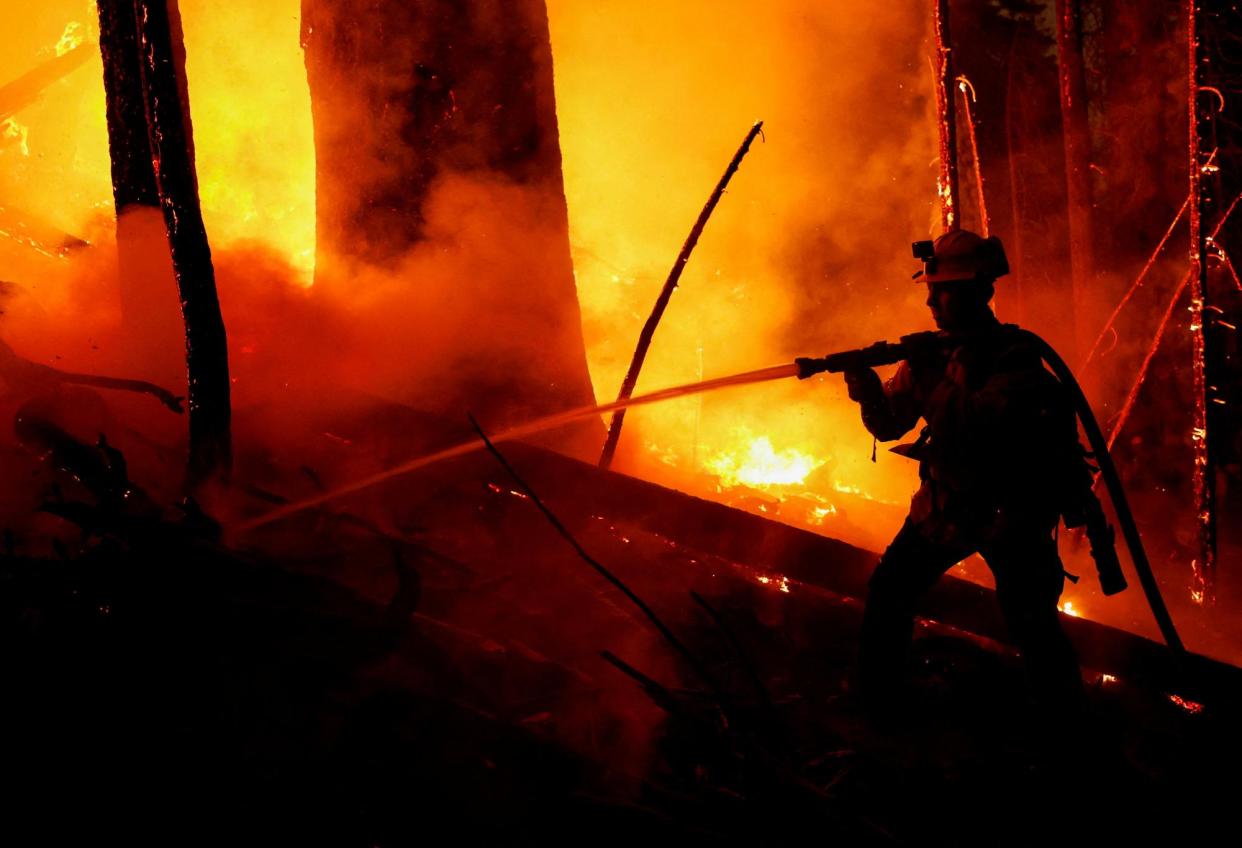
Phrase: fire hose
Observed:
(890, 353)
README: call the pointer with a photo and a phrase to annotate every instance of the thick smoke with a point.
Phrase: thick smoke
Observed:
(808, 251)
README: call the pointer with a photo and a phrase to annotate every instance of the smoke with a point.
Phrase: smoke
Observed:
(808, 251)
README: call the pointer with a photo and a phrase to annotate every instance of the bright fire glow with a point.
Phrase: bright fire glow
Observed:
(760, 464)
(797, 258)
(780, 582)
(1068, 608)
(71, 39)
(255, 153)
(636, 174)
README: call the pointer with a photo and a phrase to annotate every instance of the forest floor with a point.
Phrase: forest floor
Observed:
(453, 667)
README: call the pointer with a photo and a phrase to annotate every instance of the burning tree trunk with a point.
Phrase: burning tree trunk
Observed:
(1204, 566)
(946, 81)
(1077, 139)
(435, 126)
(981, 203)
(145, 85)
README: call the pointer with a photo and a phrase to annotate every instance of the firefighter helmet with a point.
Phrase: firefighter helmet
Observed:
(961, 255)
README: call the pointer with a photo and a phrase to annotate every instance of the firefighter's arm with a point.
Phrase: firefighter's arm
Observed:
(889, 409)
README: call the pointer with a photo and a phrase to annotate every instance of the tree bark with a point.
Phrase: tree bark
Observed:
(416, 104)
(946, 82)
(1203, 588)
(145, 84)
(134, 191)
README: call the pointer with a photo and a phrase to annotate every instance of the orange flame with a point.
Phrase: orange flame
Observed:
(761, 465)
(71, 39)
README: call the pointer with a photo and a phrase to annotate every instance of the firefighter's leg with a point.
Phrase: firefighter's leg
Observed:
(908, 568)
(1029, 580)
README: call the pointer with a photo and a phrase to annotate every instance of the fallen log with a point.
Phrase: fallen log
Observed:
(29, 87)
(579, 490)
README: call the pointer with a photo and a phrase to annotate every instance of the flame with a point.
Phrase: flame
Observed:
(1068, 608)
(70, 39)
(761, 465)
(11, 130)
(779, 581)
(819, 513)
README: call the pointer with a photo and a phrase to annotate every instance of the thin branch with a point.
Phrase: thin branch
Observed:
(699, 670)
(670, 284)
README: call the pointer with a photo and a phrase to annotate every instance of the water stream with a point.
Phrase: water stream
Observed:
(539, 425)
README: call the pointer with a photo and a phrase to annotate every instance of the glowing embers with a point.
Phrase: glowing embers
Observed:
(761, 465)
(71, 39)
(1189, 706)
(778, 582)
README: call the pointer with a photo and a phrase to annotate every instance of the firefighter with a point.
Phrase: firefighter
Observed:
(999, 464)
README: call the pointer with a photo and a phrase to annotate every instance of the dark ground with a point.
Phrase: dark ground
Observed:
(330, 681)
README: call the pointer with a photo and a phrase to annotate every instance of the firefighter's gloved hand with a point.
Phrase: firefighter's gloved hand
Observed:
(863, 384)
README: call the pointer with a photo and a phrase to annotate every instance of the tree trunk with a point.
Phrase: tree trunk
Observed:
(434, 105)
(1077, 140)
(946, 110)
(135, 194)
(1203, 588)
(145, 84)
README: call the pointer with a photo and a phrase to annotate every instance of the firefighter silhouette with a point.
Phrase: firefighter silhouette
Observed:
(999, 464)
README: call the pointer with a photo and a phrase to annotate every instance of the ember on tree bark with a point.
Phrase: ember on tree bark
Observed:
(947, 119)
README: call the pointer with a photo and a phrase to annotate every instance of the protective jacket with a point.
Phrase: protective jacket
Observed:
(999, 453)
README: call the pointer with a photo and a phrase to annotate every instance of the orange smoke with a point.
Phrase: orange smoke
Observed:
(807, 252)
(804, 255)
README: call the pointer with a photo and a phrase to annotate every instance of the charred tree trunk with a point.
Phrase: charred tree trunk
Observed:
(1077, 140)
(134, 192)
(1204, 566)
(144, 79)
(133, 179)
(946, 110)
(417, 106)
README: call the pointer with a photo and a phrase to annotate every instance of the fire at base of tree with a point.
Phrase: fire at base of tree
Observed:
(403, 433)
